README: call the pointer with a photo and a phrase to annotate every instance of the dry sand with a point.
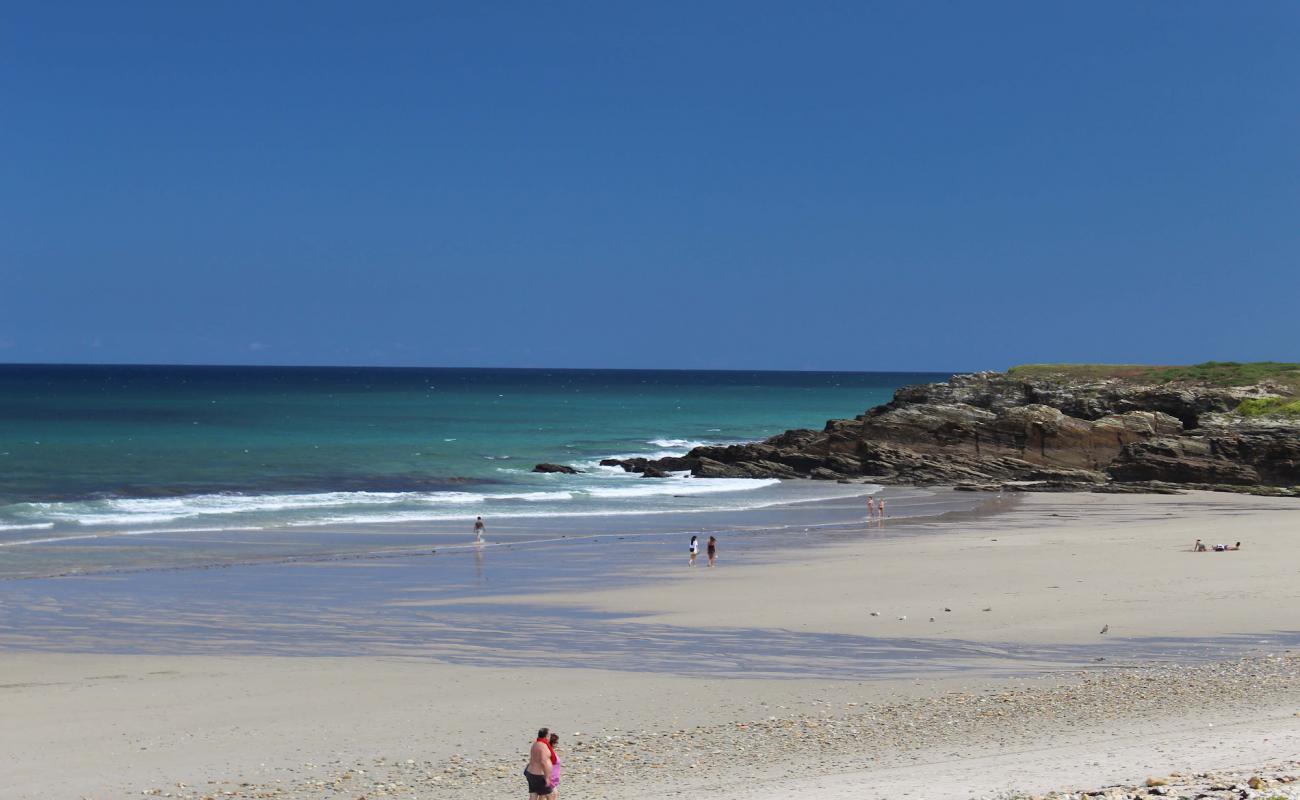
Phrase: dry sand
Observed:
(1061, 567)
(1054, 571)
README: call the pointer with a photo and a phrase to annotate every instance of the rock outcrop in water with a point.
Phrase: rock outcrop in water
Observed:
(563, 469)
(1000, 430)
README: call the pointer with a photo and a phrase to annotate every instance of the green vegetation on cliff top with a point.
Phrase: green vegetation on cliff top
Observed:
(1212, 373)
(1269, 406)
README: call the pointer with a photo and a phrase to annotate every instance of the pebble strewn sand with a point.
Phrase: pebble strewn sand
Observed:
(836, 735)
(1279, 781)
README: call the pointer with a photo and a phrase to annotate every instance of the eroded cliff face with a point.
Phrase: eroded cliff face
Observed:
(1231, 455)
(993, 430)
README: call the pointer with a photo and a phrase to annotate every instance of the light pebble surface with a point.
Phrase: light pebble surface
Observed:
(833, 736)
(1032, 711)
(1275, 781)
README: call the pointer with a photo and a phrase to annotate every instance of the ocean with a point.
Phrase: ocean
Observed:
(100, 450)
(197, 510)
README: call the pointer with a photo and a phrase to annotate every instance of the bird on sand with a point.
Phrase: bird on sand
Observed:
(1105, 628)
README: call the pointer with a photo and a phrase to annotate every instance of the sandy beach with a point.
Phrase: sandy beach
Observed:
(1013, 689)
(1053, 570)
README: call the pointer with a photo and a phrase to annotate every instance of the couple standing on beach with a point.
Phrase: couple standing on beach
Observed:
(543, 770)
(875, 507)
(695, 550)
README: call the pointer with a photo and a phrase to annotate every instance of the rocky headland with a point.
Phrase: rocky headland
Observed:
(1219, 426)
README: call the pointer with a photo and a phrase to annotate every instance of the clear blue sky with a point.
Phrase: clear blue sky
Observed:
(817, 185)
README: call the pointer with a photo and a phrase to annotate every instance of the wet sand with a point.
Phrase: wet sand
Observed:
(766, 673)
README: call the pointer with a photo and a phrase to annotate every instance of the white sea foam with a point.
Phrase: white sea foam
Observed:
(669, 448)
(152, 512)
(532, 497)
(766, 501)
(600, 490)
(683, 445)
(78, 537)
(157, 510)
(448, 498)
(35, 526)
(650, 487)
(50, 539)
(612, 496)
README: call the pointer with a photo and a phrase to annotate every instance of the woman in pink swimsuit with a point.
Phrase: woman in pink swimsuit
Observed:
(555, 767)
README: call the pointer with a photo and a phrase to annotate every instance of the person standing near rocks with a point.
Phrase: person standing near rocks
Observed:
(880, 509)
(871, 506)
(541, 759)
(695, 550)
(713, 550)
(479, 528)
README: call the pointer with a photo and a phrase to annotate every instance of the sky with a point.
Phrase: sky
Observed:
(750, 185)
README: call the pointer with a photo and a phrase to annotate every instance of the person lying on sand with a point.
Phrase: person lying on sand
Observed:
(1223, 548)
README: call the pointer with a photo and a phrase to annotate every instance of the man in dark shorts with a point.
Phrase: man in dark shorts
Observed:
(538, 771)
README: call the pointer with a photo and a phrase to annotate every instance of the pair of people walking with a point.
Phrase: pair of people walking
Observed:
(544, 768)
(712, 550)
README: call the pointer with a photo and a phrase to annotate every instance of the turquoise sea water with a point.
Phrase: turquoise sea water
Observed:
(132, 449)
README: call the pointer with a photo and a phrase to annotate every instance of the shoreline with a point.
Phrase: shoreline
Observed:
(313, 543)
(682, 659)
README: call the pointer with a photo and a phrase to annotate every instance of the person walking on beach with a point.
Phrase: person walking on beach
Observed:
(871, 506)
(556, 767)
(713, 550)
(880, 509)
(695, 550)
(479, 527)
(541, 759)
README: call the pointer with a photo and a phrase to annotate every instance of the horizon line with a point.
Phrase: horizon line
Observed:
(521, 369)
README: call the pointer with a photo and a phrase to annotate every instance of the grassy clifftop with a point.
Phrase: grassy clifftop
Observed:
(1269, 406)
(1211, 373)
